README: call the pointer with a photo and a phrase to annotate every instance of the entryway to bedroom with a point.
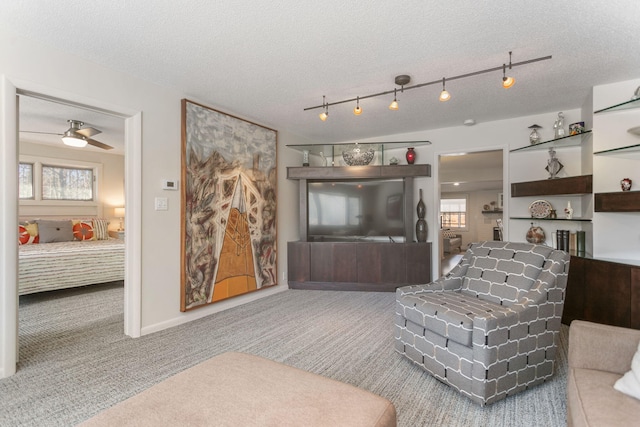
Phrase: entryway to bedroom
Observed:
(71, 211)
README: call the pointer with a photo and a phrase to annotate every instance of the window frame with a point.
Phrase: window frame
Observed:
(466, 211)
(38, 163)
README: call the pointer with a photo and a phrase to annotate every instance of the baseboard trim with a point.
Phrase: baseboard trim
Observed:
(211, 309)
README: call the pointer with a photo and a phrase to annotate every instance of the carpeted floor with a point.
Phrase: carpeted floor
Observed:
(75, 360)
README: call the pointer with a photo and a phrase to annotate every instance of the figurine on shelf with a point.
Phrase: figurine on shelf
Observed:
(625, 184)
(568, 211)
(324, 159)
(553, 164)
(534, 136)
(305, 157)
(558, 126)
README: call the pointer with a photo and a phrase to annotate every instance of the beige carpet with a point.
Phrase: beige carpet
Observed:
(75, 361)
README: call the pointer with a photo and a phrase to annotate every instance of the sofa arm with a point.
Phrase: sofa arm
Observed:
(602, 347)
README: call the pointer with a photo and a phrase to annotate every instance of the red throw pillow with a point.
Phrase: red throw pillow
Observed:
(83, 230)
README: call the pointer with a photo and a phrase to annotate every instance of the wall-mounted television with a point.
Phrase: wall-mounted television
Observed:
(356, 210)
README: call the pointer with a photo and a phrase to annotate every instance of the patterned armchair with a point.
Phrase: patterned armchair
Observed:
(490, 327)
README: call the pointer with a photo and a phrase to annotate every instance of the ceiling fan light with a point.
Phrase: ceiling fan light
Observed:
(72, 139)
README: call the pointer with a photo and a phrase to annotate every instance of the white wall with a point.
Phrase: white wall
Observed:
(24, 61)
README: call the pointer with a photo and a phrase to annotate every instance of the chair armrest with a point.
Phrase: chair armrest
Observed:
(602, 347)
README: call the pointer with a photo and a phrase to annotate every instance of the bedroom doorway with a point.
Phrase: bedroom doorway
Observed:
(470, 203)
(9, 113)
(81, 186)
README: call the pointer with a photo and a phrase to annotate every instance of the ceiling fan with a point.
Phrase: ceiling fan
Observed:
(76, 136)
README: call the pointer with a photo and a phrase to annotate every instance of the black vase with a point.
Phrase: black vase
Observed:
(421, 224)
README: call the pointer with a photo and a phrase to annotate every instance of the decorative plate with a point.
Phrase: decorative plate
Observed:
(540, 209)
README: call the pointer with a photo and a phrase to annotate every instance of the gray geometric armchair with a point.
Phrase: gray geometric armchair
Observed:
(490, 327)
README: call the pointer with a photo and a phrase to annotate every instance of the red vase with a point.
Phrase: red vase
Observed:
(411, 155)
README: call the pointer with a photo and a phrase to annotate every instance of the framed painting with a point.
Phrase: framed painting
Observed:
(228, 231)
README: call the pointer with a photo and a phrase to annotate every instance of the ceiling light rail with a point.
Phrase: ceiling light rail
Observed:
(404, 79)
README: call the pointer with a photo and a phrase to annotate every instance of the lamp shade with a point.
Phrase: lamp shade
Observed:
(119, 212)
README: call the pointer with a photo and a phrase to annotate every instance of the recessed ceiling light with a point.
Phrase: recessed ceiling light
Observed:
(469, 122)
(456, 184)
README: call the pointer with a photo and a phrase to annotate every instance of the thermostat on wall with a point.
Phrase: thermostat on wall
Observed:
(168, 184)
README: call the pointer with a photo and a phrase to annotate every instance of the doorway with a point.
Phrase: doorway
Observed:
(9, 92)
(471, 186)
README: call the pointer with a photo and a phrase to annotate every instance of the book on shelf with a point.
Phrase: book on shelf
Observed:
(568, 241)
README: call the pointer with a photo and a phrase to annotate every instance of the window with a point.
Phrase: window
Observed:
(47, 181)
(25, 180)
(453, 213)
(66, 183)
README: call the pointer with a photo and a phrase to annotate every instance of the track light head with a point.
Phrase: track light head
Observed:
(357, 111)
(394, 105)
(325, 114)
(507, 81)
(444, 95)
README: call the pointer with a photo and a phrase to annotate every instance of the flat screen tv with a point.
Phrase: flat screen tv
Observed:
(356, 210)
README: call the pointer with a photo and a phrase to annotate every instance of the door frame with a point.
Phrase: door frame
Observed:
(9, 91)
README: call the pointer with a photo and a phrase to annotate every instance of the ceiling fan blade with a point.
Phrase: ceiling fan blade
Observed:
(99, 144)
(88, 131)
(42, 133)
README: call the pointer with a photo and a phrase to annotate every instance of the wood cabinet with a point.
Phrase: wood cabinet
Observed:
(603, 292)
(357, 266)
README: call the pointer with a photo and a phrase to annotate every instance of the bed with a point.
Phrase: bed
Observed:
(61, 265)
(69, 264)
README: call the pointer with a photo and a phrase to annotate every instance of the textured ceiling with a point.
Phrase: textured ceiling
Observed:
(268, 60)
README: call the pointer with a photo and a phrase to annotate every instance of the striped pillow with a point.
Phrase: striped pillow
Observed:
(100, 229)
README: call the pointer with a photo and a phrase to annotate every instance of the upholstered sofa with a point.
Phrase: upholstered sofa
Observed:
(451, 242)
(598, 356)
(490, 327)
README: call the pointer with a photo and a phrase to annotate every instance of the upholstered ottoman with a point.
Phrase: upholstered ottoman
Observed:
(237, 389)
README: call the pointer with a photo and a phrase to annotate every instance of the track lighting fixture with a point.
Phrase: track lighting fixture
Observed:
(507, 82)
(394, 105)
(325, 114)
(444, 95)
(357, 111)
(404, 79)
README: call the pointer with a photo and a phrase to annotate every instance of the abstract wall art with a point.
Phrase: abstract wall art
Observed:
(228, 244)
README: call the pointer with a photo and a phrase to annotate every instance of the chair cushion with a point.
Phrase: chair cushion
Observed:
(502, 272)
(449, 314)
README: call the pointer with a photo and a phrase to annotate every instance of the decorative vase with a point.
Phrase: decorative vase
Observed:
(411, 155)
(558, 126)
(568, 211)
(534, 136)
(535, 234)
(421, 224)
(625, 184)
(305, 157)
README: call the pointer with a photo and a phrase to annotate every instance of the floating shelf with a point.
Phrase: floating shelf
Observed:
(493, 212)
(621, 201)
(333, 152)
(550, 219)
(621, 150)
(357, 172)
(564, 142)
(627, 105)
(573, 185)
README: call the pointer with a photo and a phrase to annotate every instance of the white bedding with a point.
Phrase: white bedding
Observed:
(48, 266)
